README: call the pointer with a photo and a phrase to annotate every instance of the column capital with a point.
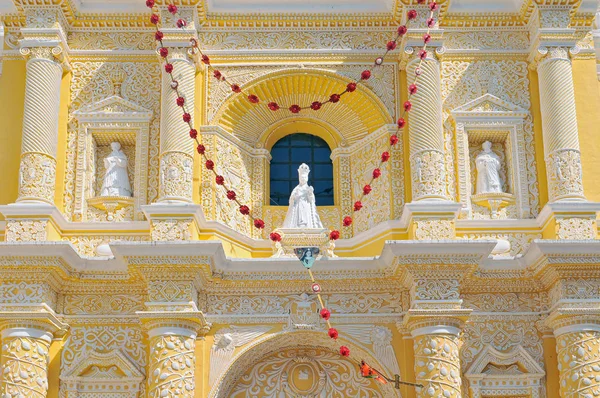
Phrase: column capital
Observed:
(545, 52)
(421, 322)
(574, 320)
(20, 319)
(190, 324)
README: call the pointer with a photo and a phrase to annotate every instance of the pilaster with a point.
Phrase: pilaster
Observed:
(431, 220)
(173, 221)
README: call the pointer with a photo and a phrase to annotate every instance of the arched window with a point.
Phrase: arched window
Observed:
(288, 154)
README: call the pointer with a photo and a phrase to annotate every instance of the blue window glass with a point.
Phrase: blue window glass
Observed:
(288, 154)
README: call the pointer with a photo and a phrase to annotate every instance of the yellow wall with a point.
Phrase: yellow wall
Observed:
(587, 102)
(12, 97)
(538, 137)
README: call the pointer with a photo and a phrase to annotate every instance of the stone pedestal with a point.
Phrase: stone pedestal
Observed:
(431, 220)
(292, 238)
(170, 221)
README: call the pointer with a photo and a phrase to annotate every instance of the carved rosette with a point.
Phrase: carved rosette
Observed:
(434, 229)
(176, 176)
(564, 174)
(576, 228)
(37, 177)
(18, 230)
(25, 363)
(172, 364)
(579, 364)
(437, 365)
(428, 175)
(171, 229)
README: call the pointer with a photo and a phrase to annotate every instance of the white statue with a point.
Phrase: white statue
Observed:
(488, 170)
(116, 179)
(302, 212)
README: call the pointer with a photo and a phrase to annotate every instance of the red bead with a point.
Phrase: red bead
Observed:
(325, 314)
(275, 237)
(422, 54)
(358, 205)
(245, 210)
(393, 140)
(433, 6)
(316, 288)
(172, 9)
(334, 98)
(164, 52)
(333, 333)
(253, 99)
(180, 101)
(315, 106)
(376, 173)
(201, 149)
(235, 88)
(217, 75)
(295, 109)
(158, 35)
(347, 221)
(365, 75)
(344, 351)
(181, 23)
(401, 123)
(351, 87)
(334, 235)
(205, 59)
(220, 180)
(421, 1)
(149, 3)
(412, 14)
(231, 195)
(391, 45)
(430, 22)
(187, 117)
(426, 38)
(258, 223)
(193, 134)
(169, 68)
(402, 29)
(154, 19)
(274, 106)
(407, 106)
(385, 156)
(412, 89)
(367, 189)
(210, 164)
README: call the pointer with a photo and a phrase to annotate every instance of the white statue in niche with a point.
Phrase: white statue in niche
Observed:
(116, 179)
(302, 212)
(488, 170)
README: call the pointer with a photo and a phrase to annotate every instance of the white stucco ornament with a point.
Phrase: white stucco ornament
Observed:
(488, 170)
(116, 179)
(302, 212)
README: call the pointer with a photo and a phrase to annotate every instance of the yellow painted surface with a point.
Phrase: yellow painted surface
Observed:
(587, 102)
(54, 368)
(12, 97)
(551, 363)
(538, 137)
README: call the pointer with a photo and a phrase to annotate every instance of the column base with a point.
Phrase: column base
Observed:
(174, 221)
(32, 221)
(431, 219)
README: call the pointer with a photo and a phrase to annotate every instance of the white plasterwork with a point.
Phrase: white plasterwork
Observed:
(490, 113)
(119, 118)
(491, 374)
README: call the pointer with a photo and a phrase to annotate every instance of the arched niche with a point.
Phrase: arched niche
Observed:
(355, 116)
(310, 349)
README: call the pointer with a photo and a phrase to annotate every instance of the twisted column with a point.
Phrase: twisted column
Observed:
(559, 124)
(425, 132)
(37, 176)
(25, 362)
(172, 361)
(176, 146)
(578, 349)
(437, 362)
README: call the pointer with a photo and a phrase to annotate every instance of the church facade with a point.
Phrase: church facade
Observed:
(472, 268)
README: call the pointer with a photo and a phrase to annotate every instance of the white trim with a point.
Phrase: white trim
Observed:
(441, 329)
(172, 331)
(27, 332)
(580, 328)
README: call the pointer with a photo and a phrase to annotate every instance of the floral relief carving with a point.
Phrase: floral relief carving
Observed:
(26, 230)
(177, 172)
(27, 293)
(519, 242)
(508, 302)
(172, 365)
(564, 173)
(487, 40)
(557, 19)
(437, 366)
(24, 367)
(428, 171)
(579, 364)
(100, 304)
(434, 229)
(86, 245)
(576, 228)
(436, 289)
(37, 177)
(123, 41)
(165, 291)
(171, 229)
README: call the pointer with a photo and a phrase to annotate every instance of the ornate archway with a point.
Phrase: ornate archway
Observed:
(298, 364)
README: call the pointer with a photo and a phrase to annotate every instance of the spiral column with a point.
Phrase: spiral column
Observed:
(425, 131)
(176, 147)
(559, 124)
(37, 175)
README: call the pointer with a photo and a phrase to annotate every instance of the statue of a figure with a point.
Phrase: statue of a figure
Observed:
(488, 170)
(116, 179)
(302, 212)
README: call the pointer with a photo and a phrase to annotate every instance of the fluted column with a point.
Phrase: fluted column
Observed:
(37, 176)
(437, 361)
(25, 362)
(172, 361)
(559, 124)
(176, 146)
(425, 131)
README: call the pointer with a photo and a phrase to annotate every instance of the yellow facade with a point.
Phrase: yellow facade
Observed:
(171, 291)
